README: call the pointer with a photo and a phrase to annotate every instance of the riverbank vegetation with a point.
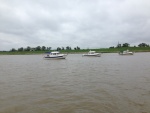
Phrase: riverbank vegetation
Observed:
(101, 50)
(142, 47)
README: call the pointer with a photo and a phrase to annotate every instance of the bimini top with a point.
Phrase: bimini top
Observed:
(56, 52)
(91, 51)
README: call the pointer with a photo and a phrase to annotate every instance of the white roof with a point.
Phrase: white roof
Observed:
(91, 51)
(55, 52)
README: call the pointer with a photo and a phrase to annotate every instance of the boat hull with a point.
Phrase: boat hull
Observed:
(92, 54)
(96, 55)
(130, 53)
(55, 55)
(52, 57)
(127, 52)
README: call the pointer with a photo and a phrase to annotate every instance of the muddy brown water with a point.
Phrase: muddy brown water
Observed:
(106, 84)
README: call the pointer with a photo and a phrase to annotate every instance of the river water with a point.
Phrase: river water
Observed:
(106, 84)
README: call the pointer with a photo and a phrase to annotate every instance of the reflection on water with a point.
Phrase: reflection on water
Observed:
(107, 84)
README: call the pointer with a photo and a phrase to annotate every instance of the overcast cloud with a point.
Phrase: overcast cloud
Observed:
(83, 23)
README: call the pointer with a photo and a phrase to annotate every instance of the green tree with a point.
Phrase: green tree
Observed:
(43, 48)
(143, 45)
(38, 48)
(62, 48)
(118, 45)
(68, 48)
(78, 48)
(49, 48)
(13, 49)
(20, 49)
(28, 48)
(125, 45)
(58, 48)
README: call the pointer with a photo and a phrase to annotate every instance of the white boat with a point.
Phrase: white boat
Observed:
(55, 55)
(92, 53)
(127, 52)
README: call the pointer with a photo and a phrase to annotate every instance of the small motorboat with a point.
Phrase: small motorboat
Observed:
(127, 52)
(55, 55)
(92, 53)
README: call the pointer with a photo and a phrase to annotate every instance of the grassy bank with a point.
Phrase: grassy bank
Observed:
(101, 50)
(110, 50)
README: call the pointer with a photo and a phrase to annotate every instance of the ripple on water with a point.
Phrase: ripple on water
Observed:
(109, 84)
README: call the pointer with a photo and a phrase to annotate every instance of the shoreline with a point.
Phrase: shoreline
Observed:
(81, 51)
(34, 53)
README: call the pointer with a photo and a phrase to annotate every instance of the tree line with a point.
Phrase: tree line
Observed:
(43, 48)
(128, 45)
(67, 48)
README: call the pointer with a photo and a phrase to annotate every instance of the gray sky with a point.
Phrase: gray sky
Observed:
(83, 23)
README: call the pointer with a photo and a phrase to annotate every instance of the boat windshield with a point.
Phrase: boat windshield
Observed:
(91, 52)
